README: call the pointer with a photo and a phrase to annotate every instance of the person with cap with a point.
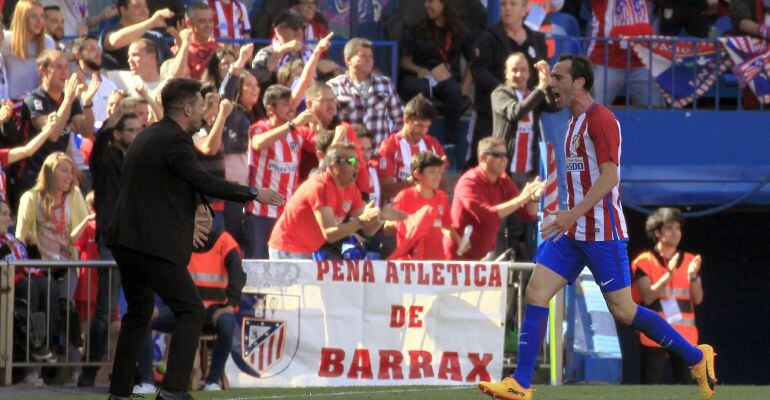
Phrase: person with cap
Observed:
(288, 45)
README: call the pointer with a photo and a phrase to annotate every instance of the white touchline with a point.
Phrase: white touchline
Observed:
(348, 393)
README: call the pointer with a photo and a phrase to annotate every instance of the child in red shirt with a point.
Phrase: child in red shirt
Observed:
(85, 293)
(419, 235)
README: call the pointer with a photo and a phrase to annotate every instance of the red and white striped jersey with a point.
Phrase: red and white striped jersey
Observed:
(230, 20)
(525, 137)
(275, 166)
(594, 138)
(615, 18)
(395, 155)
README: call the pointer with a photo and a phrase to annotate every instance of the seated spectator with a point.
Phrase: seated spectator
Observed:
(276, 147)
(53, 214)
(219, 278)
(488, 63)
(201, 47)
(326, 208)
(669, 282)
(366, 97)
(365, 143)
(750, 17)
(77, 21)
(42, 307)
(430, 63)
(88, 56)
(316, 26)
(21, 46)
(231, 19)
(417, 237)
(64, 95)
(616, 19)
(135, 23)
(516, 110)
(484, 195)
(395, 153)
(690, 15)
(54, 25)
(144, 69)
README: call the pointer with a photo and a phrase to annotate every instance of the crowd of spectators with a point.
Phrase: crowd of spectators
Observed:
(349, 149)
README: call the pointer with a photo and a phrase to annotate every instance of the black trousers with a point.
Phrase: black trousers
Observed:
(653, 361)
(142, 276)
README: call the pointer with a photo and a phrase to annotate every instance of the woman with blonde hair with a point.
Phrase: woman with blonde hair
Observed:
(53, 214)
(25, 40)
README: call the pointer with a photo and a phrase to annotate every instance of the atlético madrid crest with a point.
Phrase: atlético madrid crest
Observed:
(268, 337)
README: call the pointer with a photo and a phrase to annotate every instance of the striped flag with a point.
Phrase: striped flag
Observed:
(750, 60)
(551, 194)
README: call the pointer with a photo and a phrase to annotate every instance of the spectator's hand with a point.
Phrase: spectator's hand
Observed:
(91, 217)
(423, 73)
(531, 189)
(202, 226)
(564, 220)
(370, 213)
(159, 18)
(244, 55)
(293, 46)
(441, 72)
(270, 196)
(82, 30)
(463, 247)
(6, 110)
(220, 312)
(225, 108)
(51, 120)
(88, 96)
(694, 266)
(543, 75)
(304, 118)
(538, 191)
(340, 134)
(185, 36)
(72, 87)
(324, 44)
(109, 12)
(388, 213)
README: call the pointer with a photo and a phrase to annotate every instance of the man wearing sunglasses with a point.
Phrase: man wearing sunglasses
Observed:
(484, 196)
(326, 208)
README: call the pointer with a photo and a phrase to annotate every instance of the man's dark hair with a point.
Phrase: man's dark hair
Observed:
(275, 93)
(208, 88)
(661, 217)
(324, 140)
(121, 124)
(46, 56)
(314, 91)
(361, 131)
(196, 6)
(177, 93)
(123, 3)
(425, 159)
(581, 68)
(419, 108)
(51, 8)
(80, 42)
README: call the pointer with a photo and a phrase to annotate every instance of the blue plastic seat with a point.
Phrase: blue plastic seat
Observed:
(567, 22)
(565, 44)
(723, 25)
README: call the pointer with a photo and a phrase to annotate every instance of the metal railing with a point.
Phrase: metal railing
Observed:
(54, 291)
(712, 99)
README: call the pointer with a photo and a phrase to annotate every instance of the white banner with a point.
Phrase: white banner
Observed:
(346, 323)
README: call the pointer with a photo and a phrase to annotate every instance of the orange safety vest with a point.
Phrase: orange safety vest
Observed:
(209, 272)
(678, 289)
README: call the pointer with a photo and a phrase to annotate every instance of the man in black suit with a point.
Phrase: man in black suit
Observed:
(152, 235)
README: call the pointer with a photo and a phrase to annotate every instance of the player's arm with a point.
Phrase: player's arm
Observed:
(608, 179)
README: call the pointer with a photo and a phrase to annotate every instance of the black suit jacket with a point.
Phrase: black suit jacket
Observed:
(162, 183)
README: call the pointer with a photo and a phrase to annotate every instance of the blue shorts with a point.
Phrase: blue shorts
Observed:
(607, 260)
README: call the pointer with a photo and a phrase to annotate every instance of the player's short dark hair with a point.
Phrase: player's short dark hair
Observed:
(179, 92)
(196, 6)
(80, 42)
(581, 68)
(121, 124)
(425, 159)
(324, 140)
(419, 108)
(275, 93)
(661, 217)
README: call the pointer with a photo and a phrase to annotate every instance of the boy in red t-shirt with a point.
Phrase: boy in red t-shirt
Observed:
(85, 294)
(418, 236)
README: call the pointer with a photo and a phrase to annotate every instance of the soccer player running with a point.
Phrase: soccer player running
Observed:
(593, 233)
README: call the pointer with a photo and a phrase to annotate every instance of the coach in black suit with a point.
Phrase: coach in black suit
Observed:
(152, 232)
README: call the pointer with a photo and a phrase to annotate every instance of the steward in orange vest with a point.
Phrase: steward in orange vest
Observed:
(666, 280)
(217, 271)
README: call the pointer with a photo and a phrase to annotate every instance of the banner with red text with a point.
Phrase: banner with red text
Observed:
(347, 323)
